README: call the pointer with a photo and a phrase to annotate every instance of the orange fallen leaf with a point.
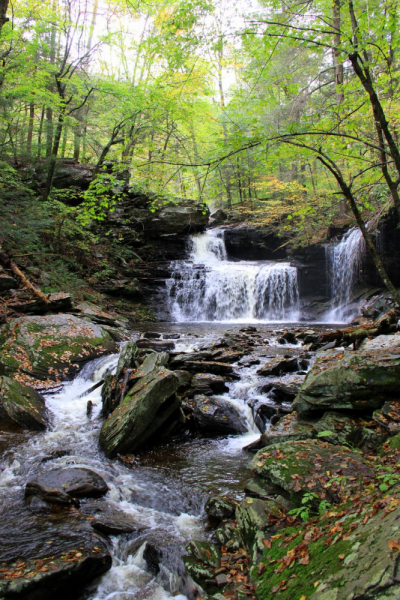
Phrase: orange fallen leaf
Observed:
(394, 545)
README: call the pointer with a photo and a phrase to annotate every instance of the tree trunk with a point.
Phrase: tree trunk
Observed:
(30, 129)
(337, 63)
(40, 133)
(3, 13)
(54, 154)
(49, 131)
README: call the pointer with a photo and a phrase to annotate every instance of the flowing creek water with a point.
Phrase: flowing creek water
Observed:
(165, 493)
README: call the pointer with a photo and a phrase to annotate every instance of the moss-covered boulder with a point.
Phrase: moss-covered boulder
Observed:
(312, 466)
(51, 347)
(254, 518)
(219, 507)
(338, 428)
(351, 554)
(143, 412)
(203, 559)
(289, 428)
(22, 404)
(350, 380)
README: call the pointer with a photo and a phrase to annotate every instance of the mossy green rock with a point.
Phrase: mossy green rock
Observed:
(288, 428)
(307, 466)
(22, 404)
(357, 381)
(142, 413)
(394, 442)
(347, 559)
(206, 552)
(51, 346)
(254, 520)
(220, 507)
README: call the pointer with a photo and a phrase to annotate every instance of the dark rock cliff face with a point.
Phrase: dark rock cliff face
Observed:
(254, 243)
(388, 243)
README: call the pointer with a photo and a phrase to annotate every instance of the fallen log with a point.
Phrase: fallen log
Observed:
(8, 263)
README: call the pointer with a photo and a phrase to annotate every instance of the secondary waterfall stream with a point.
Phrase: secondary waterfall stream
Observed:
(344, 262)
(210, 287)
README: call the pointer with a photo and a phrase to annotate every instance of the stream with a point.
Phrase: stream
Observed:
(167, 490)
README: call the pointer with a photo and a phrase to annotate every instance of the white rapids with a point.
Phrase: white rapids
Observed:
(210, 287)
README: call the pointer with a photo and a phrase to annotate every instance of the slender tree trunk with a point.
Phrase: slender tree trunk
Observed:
(77, 141)
(49, 131)
(54, 154)
(40, 133)
(363, 73)
(30, 129)
(337, 62)
(239, 181)
(64, 142)
(224, 128)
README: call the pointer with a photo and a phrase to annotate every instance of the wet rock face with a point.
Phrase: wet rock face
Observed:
(219, 507)
(22, 404)
(216, 416)
(179, 218)
(254, 520)
(7, 282)
(48, 556)
(358, 381)
(51, 346)
(288, 428)
(143, 412)
(207, 384)
(74, 482)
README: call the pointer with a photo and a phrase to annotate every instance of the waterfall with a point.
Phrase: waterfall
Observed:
(209, 287)
(344, 266)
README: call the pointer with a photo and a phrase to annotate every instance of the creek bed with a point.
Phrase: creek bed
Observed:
(165, 492)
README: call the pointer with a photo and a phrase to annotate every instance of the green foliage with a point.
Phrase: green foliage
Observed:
(388, 478)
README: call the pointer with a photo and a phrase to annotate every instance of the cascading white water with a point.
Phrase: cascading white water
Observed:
(344, 266)
(209, 287)
(165, 502)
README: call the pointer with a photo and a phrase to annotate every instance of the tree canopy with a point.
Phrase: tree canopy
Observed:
(289, 107)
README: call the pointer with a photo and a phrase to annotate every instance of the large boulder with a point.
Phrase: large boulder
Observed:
(254, 517)
(76, 482)
(357, 381)
(207, 384)
(48, 556)
(217, 416)
(22, 404)
(51, 346)
(289, 428)
(143, 412)
(180, 218)
(309, 465)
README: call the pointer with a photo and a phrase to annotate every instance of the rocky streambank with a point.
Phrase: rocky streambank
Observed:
(94, 476)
